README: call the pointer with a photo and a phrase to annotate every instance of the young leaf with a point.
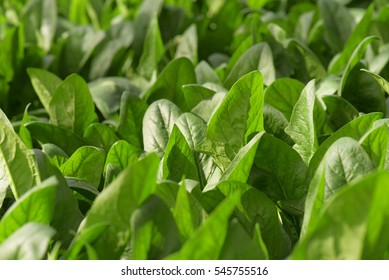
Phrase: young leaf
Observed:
(177, 73)
(187, 45)
(86, 163)
(305, 122)
(72, 105)
(258, 57)
(115, 205)
(206, 74)
(207, 241)
(239, 116)
(37, 205)
(44, 132)
(152, 50)
(45, 84)
(30, 242)
(194, 94)
(376, 144)
(344, 162)
(18, 168)
(179, 160)
(154, 231)
(158, 124)
(132, 111)
(381, 81)
(345, 230)
(100, 135)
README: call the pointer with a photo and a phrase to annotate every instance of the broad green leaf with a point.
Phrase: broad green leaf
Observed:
(132, 111)
(381, 81)
(24, 134)
(254, 207)
(86, 163)
(30, 242)
(207, 242)
(194, 94)
(179, 160)
(239, 116)
(339, 112)
(305, 122)
(376, 144)
(45, 84)
(206, 74)
(115, 205)
(240, 246)
(107, 93)
(344, 162)
(187, 213)
(355, 58)
(177, 73)
(158, 124)
(354, 129)
(155, 234)
(78, 48)
(100, 135)
(18, 169)
(363, 92)
(71, 106)
(37, 205)
(283, 95)
(187, 44)
(359, 33)
(301, 54)
(67, 216)
(279, 177)
(205, 108)
(121, 155)
(275, 123)
(56, 155)
(258, 57)
(68, 141)
(338, 23)
(353, 224)
(153, 50)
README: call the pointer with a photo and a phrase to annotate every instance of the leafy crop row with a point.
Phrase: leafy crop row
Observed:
(194, 129)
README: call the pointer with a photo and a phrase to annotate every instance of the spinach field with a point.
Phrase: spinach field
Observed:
(179, 129)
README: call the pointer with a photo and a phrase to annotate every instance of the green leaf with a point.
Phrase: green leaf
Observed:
(187, 44)
(381, 81)
(177, 73)
(61, 137)
(305, 122)
(45, 84)
(376, 144)
(158, 124)
(37, 205)
(240, 246)
(30, 242)
(359, 33)
(345, 229)
(67, 216)
(86, 163)
(354, 129)
(100, 135)
(344, 162)
(194, 94)
(355, 58)
(235, 120)
(179, 160)
(275, 123)
(107, 93)
(338, 23)
(72, 106)
(206, 74)
(278, 177)
(207, 241)
(205, 108)
(155, 234)
(258, 57)
(121, 155)
(362, 91)
(283, 95)
(18, 168)
(339, 112)
(56, 155)
(115, 205)
(153, 50)
(132, 111)
(24, 134)
(187, 213)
